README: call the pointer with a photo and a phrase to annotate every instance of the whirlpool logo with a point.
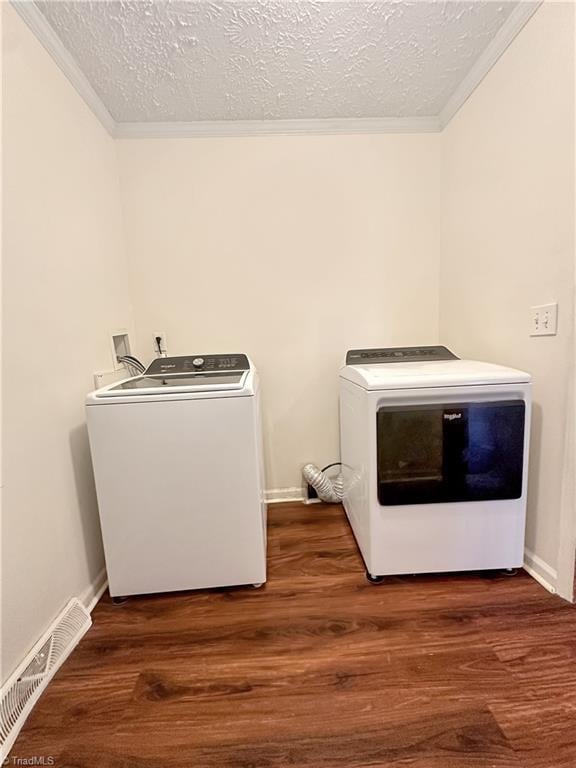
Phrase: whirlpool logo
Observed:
(452, 416)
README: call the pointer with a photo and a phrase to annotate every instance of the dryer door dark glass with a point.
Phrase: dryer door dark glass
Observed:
(451, 452)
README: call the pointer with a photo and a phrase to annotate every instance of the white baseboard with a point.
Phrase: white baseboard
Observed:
(541, 571)
(277, 495)
(94, 591)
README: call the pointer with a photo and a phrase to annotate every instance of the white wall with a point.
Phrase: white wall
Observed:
(508, 239)
(292, 249)
(65, 286)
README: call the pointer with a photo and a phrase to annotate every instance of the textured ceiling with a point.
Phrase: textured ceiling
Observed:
(164, 60)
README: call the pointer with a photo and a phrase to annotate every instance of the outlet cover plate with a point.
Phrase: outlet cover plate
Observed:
(163, 343)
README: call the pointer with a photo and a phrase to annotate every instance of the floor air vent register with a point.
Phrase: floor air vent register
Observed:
(23, 689)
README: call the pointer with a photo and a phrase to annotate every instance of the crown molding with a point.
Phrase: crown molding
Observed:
(488, 58)
(320, 126)
(35, 19)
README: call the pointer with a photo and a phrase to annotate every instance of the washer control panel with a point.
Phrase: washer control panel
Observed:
(398, 355)
(198, 364)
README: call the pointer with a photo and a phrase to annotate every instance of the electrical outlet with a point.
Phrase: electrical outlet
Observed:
(163, 351)
(544, 320)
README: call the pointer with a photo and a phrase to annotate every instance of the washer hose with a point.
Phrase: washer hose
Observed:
(327, 489)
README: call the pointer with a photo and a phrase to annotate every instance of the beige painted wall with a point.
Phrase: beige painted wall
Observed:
(292, 249)
(508, 238)
(64, 287)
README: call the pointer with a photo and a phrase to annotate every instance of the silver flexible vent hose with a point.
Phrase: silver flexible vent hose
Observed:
(327, 489)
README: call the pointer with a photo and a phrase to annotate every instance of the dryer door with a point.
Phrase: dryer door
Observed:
(450, 452)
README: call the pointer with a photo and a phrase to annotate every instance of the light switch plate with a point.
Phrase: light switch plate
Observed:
(544, 320)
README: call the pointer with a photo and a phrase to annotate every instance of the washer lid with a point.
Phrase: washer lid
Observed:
(185, 374)
(441, 373)
(175, 383)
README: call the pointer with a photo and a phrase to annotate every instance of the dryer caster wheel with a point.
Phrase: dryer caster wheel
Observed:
(374, 579)
(509, 571)
(257, 586)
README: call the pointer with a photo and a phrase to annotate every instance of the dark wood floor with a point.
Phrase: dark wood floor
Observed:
(319, 669)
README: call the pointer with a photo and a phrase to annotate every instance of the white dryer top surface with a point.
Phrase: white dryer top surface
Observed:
(439, 373)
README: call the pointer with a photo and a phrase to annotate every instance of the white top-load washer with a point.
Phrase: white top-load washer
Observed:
(178, 463)
(435, 460)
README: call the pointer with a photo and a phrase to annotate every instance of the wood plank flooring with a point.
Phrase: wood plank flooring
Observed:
(319, 669)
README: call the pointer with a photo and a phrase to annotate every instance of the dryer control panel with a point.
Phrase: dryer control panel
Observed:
(198, 364)
(398, 355)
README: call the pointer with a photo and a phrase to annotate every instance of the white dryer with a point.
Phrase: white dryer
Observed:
(434, 453)
(178, 463)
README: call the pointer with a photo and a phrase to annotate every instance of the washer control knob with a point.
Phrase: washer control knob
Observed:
(198, 362)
